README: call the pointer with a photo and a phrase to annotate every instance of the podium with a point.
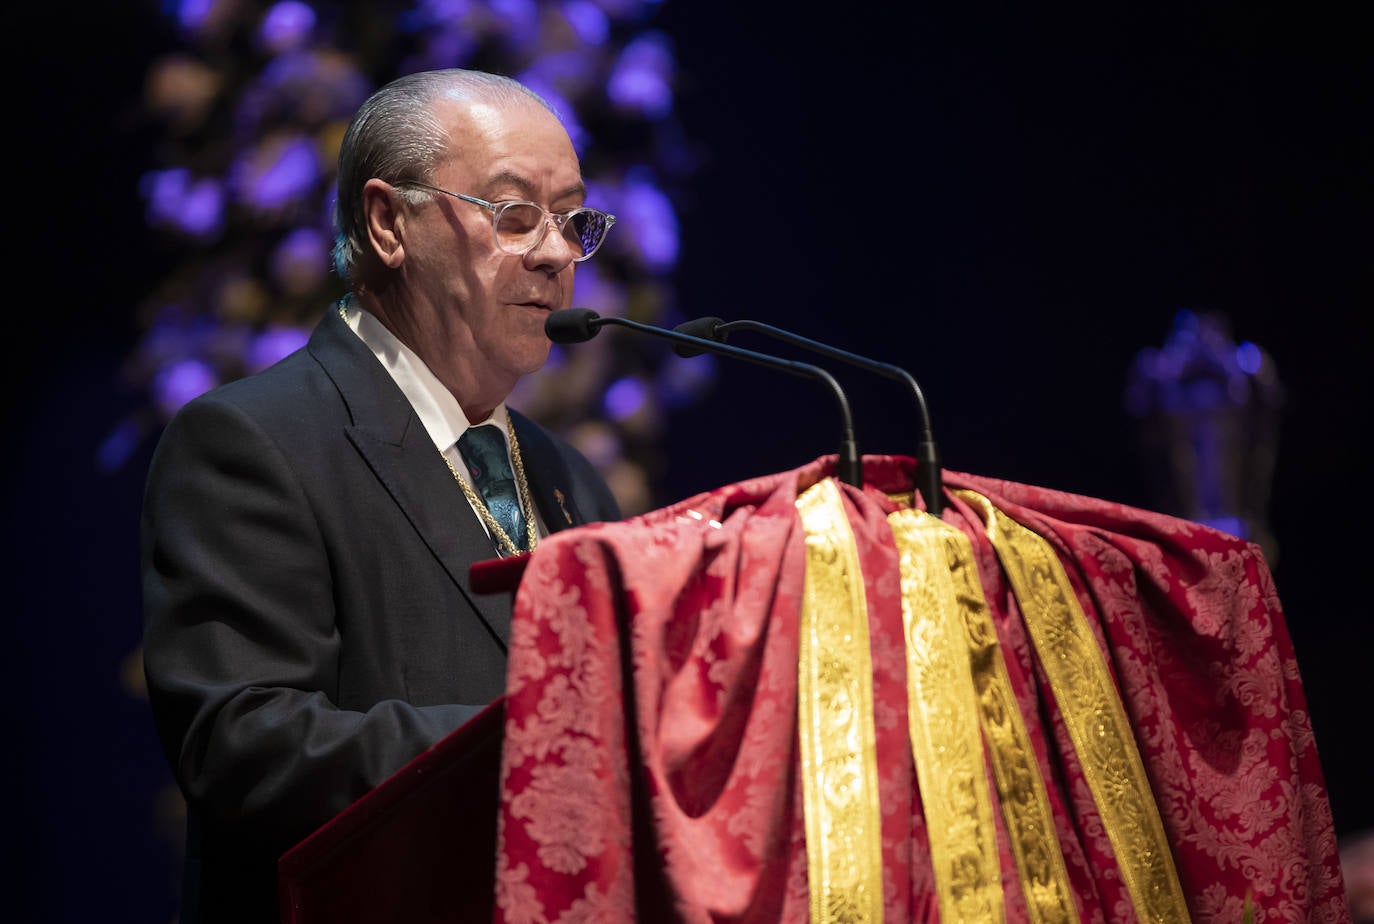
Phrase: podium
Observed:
(419, 848)
(790, 699)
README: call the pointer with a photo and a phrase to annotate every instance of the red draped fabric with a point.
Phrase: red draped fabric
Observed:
(651, 766)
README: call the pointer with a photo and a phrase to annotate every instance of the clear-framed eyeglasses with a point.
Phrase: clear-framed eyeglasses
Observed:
(518, 227)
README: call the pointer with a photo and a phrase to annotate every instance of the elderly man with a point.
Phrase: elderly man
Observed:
(307, 531)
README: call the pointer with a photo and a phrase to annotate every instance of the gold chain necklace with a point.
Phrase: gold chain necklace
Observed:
(522, 488)
(478, 502)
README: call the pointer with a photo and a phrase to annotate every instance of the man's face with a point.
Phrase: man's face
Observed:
(490, 305)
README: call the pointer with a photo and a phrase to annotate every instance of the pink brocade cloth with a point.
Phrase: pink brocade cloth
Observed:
(651, 768)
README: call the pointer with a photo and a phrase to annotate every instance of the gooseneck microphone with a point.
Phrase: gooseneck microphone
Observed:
(578, 325)
(929, 480)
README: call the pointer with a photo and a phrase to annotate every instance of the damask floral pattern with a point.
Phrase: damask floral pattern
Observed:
(651, 767)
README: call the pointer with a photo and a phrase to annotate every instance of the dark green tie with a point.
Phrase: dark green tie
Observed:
(484, 453)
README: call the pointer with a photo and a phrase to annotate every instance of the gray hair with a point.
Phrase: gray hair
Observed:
(397, 136)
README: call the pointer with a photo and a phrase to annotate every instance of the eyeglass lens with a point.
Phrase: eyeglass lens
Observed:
(519, 225)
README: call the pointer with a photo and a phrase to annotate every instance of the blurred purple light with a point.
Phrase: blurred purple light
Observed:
(624, 397)
(436, 12)
(649, 215)
(1200, 368)
(519, 19)
(1228, 524)
(642, 76)
(448, 48)
(116, 448)
(175, 199)
(305, 88)
(287, 26)
(683, 380)
(271, 345)
(625, 9)
(288, 175)
(439, 18)
(592, 60)
(592, 289)
(588, 20)
(1249, 357)
(181, 381)
(307, 245)
(301, 260)
(191, 14)
(567, 73)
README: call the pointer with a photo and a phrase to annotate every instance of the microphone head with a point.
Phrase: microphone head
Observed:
(572, 325)
(702, 329)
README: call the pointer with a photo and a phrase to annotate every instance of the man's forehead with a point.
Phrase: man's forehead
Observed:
(496, 141)
(482, 115)
(481, 118)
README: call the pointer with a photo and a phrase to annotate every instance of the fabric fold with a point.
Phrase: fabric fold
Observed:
(1090, 712)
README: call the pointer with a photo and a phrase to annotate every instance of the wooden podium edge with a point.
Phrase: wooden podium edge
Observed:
(477, 739)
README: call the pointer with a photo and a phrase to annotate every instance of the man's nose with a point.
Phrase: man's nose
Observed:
(553, 247)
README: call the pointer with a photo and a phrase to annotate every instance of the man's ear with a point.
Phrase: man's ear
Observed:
(385, 222)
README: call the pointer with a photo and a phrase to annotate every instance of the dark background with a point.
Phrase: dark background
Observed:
(1008, 203)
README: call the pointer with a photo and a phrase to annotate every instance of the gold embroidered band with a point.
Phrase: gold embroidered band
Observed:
(1093, 714)
(1024, 800)
(835, 721)
(942, 716)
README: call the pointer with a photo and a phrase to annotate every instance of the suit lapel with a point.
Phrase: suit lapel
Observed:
(547, 474)
(391, 440)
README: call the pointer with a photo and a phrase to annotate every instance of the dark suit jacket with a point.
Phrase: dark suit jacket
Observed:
(309, 623)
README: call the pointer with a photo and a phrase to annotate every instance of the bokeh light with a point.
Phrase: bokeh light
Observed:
(253, 107)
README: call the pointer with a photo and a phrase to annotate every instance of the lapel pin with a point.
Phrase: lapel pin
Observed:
(562, 505)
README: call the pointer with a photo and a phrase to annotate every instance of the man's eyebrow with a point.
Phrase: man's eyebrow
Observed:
(506, 178)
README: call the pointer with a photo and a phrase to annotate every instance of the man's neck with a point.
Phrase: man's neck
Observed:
(463, 377)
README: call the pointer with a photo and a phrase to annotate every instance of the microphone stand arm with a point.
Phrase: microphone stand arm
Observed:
(849, 468)
(929, 480)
